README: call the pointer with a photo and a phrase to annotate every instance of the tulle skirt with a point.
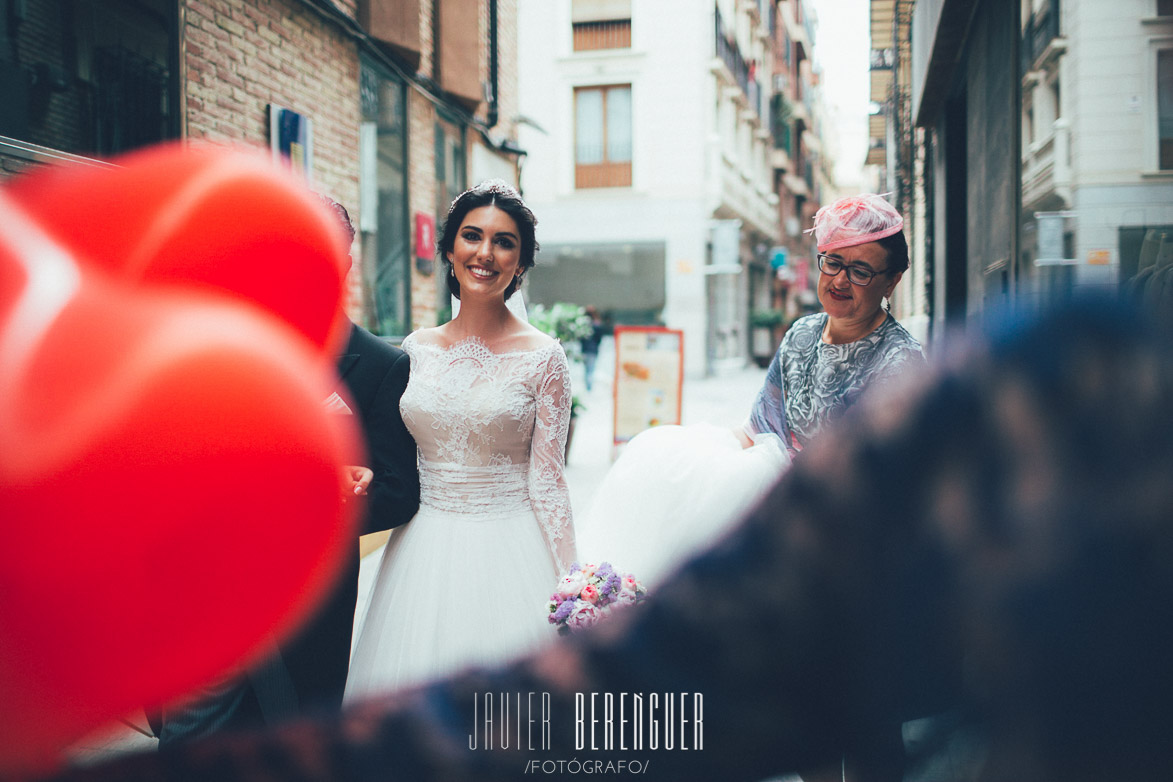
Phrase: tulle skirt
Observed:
(674, 490)
(453, 591)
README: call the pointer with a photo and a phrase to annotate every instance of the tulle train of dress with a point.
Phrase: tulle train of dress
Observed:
(674, 490)
(437, 605)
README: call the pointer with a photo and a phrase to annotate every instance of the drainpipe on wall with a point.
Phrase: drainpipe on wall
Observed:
(493, 107)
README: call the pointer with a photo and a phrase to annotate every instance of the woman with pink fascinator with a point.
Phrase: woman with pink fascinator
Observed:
(826, 360)
(676, 489)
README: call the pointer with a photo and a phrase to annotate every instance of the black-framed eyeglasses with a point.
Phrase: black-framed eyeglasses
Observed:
(857, 273)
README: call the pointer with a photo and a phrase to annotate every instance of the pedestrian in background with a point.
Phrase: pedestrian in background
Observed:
(590, 345)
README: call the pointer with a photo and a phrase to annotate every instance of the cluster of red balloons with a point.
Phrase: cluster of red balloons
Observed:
(169, 476)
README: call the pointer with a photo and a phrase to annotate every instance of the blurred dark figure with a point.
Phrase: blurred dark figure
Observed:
(1011, 509)
(590, 344)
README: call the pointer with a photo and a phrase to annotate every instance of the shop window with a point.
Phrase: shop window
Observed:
(383, 217)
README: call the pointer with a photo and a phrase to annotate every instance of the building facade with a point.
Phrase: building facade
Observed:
(390, 106)
(1097, 138)
(802, 178)
(896, 149)
(648, 132)
(1037, 141)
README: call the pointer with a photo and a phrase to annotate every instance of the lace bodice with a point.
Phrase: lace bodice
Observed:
(491, 432)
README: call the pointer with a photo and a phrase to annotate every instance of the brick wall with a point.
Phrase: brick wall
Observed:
(242, 55)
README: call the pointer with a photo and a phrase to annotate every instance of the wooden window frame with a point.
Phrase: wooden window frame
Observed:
(606, 173)
(598, 35)
(1164, 143)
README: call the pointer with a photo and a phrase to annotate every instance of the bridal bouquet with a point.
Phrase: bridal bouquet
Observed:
(590, 592)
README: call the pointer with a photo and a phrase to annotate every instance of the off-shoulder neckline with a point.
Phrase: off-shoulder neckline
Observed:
(475, 340)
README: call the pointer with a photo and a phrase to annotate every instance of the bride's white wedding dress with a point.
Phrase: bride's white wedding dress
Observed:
(466, 581)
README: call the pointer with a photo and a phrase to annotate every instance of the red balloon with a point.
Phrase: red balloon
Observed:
(227, 220)
(169, 480)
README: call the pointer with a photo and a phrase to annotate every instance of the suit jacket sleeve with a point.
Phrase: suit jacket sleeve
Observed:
(394, 494)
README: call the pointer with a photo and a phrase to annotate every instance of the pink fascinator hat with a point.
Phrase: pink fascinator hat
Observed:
(855, 220)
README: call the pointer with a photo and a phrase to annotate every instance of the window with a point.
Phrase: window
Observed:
(601, 24)
(613, 34)
(382, 219)
(1165, 109)
(602, 142)
(91, 76)
(1164, 7)
(449, 140)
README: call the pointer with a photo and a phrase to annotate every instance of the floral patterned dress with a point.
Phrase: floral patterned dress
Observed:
(809, 383)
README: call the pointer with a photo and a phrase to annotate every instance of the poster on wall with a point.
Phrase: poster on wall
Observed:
(649, 378)
(291, 138)
(425, 242)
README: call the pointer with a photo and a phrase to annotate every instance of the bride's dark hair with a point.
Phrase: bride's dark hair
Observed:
(492, 192)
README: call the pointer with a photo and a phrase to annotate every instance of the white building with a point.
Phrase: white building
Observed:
(647, 137)
(1097, 137)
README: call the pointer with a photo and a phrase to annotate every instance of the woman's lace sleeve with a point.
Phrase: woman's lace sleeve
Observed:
(548, 491)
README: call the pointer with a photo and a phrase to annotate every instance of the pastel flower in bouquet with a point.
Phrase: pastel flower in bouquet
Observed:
(590, 592)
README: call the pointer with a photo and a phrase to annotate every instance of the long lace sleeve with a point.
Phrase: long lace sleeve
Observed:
(549, 493)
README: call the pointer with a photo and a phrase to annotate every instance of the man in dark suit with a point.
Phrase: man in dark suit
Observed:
(375, 375)
(307, 673)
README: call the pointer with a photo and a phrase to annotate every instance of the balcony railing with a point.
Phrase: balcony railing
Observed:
(729, 53)
(1042, 29)
(780, 122)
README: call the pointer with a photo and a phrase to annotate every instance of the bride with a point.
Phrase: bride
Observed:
(488, 403)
